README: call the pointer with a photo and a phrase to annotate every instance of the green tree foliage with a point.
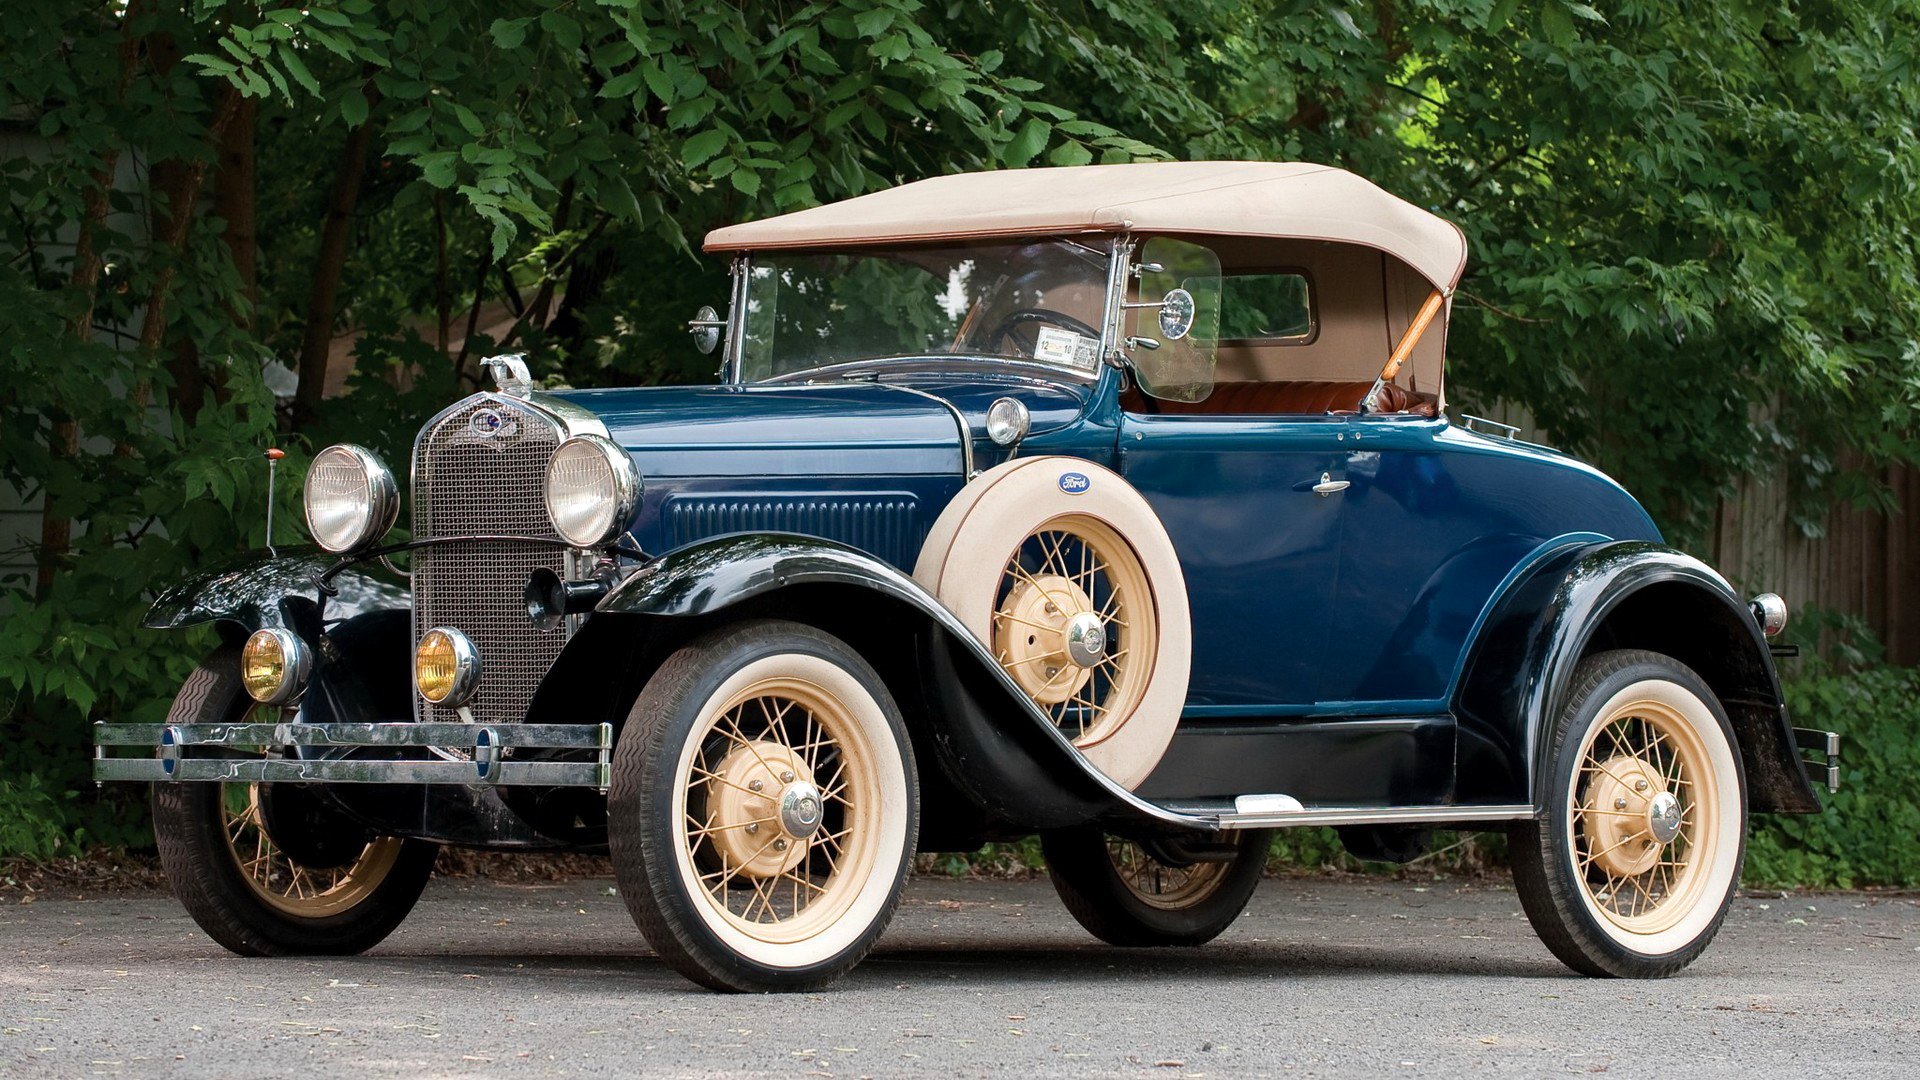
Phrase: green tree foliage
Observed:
(1692, 229)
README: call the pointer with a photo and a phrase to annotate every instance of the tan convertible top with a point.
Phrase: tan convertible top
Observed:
(1216, 198)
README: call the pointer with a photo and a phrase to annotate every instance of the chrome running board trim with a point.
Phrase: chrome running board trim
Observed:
(1355, 815)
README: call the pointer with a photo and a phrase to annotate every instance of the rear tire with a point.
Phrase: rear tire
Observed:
(242, 886)
(1628, 868)
(1128, 895)
(764, 808)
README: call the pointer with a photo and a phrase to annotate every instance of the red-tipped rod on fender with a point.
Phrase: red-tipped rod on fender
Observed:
(274, 454)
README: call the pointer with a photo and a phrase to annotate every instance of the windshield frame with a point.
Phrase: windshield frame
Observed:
(1116, 249)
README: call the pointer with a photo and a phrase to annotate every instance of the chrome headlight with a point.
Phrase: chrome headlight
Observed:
(351, 498)
(592, 488)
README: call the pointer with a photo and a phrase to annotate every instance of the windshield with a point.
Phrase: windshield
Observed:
(1039, 301)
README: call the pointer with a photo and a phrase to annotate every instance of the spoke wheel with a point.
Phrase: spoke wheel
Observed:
(1129, 893)
(778, 810)
(1170, 887)
(1629, 865)
(1642, 816)
(764, 808)
(284, 883)
(1074, 623)
(275, 870)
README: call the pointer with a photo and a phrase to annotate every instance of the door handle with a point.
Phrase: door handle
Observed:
(1328, 485)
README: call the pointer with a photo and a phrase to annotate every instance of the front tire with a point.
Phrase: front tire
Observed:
(228, 851)
(1628, 868)
(764, 808)
(1130, 894)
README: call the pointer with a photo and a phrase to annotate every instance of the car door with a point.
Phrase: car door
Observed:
(1258, 545)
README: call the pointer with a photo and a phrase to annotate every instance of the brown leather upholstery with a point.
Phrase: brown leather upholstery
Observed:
(1300, 398)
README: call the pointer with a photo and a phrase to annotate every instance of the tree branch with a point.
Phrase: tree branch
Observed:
(329, 264)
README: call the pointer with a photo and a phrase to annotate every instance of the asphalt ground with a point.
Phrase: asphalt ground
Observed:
(1321, 977)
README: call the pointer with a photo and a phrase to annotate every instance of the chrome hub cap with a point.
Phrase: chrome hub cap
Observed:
(1663, 817)
(1086, 639)
(800, 809)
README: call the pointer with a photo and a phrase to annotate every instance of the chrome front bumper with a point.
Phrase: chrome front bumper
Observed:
(427, 753)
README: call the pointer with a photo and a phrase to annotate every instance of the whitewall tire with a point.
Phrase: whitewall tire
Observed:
(764, 808)
(1629, 866)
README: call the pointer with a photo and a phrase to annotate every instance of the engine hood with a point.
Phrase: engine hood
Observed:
(825, 429)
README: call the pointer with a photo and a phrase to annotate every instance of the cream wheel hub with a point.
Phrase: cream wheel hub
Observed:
(1630, 816)
(763, 805)
(1050, 636)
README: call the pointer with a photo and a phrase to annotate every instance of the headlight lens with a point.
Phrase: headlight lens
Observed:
(274, 666)
(1008, 421)
(351, 498)
(592, 488)
(446, 668)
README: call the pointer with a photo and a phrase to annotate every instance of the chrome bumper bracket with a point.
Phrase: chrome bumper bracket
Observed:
(444, 753)
(1825, 748)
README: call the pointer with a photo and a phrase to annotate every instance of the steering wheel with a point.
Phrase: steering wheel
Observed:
(1021, 316)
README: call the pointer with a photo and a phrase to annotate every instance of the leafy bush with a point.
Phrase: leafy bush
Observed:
(32, 820)
(1870, 832)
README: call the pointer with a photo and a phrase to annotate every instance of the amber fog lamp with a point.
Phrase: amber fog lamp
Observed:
(351, 498)
(592, 489)
(274, 665)
(446, 667)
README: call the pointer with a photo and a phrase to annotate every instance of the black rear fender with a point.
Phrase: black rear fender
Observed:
(1591, 598)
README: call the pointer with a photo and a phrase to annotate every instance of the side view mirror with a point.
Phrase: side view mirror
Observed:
(1176, 316)
(1178, 364)
(705, 326)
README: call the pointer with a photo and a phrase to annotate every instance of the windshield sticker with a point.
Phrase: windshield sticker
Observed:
(1065, 347)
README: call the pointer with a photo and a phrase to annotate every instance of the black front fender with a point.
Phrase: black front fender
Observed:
(992, 741)
(1628, 594)
(277, 588)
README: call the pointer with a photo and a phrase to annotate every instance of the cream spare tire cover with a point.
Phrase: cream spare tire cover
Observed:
(1062, 569)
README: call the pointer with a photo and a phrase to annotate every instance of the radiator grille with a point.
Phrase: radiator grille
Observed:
(882, 525)
(481, 470)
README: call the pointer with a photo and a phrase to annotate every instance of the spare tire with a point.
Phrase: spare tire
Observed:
(1067, 575)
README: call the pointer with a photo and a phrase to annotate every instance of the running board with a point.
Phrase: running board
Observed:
(1284, 811)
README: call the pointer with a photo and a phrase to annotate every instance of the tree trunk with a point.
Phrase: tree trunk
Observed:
(485, 262)
(233, 203)
(63, 442)
(329, 264)
(562, 214)
(173, 194)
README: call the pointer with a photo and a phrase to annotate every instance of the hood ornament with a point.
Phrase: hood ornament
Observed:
(510, 375)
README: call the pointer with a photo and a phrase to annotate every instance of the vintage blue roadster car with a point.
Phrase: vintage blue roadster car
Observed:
(1116, 504)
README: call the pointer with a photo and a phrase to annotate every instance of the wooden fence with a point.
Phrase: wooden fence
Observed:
(1865, 564)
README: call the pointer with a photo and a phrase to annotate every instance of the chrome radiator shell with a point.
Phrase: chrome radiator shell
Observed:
(479, 469)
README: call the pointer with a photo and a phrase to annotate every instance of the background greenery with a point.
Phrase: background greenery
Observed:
(1692, 224)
